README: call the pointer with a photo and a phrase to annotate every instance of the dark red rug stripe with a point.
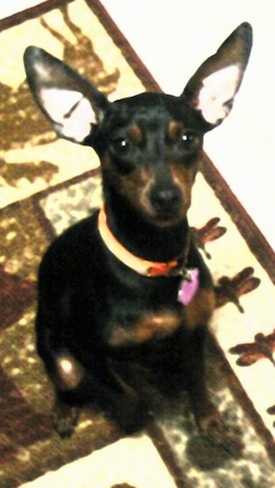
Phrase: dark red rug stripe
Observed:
(22, 426)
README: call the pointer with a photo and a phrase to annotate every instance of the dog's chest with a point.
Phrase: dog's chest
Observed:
(152, 327)
(155, 326)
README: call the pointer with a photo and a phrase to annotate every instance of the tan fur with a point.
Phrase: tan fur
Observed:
(174, 130)
(152, 327)
(197, 313)
(136, 134)
(200, 309)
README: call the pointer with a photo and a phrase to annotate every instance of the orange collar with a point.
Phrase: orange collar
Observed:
(141, 266)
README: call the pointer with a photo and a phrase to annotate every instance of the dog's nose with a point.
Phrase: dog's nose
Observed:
(166, 199)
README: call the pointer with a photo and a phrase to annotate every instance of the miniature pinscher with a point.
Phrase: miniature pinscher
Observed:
(127, 286)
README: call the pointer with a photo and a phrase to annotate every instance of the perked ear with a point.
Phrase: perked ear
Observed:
(213, 87)
(71, 103)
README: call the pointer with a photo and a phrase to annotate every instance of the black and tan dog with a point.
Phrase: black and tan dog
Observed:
(127, 286)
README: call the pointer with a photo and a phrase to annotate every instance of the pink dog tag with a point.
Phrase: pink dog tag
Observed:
(189, 286)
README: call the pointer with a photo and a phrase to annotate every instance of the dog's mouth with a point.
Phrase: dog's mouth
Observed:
(167, 221)
(167, 218)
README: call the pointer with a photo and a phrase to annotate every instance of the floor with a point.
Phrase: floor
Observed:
(235, 150)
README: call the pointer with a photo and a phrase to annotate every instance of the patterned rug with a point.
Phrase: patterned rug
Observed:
(45, 186)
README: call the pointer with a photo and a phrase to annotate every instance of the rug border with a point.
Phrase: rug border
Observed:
(37, 197)
(139, 68)
(31, 13)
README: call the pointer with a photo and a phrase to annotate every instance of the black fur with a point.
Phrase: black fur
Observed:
(97, 314)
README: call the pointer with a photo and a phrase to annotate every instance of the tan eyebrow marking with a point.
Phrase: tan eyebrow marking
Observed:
(174, 130)
(136, 134)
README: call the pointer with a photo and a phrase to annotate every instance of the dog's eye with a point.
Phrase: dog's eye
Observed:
(189, 140)
(121, 145)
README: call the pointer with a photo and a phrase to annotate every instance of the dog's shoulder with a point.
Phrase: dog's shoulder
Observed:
(73, 249)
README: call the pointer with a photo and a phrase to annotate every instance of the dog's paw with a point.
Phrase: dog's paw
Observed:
(65, 418)
(212, 429)
(210, 424)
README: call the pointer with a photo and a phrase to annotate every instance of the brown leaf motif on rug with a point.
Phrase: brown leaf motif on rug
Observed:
(82, 56)
(262, 347)
(230, 289)
(209, 232)
(12, 173)
(227, 289)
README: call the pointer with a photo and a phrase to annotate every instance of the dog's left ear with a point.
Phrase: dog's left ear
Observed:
(214, 85)
(72, 104)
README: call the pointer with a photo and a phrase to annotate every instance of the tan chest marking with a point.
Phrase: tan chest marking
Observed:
(161, 325)
(200, 309)
(152, 327)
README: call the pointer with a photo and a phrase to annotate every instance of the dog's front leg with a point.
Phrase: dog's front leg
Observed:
(206, 414)
(68, 377)
(104, 386)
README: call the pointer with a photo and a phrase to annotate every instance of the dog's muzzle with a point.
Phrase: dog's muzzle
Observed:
(166, 200)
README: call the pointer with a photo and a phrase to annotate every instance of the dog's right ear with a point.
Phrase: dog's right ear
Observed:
(212, 89)
(72, 104)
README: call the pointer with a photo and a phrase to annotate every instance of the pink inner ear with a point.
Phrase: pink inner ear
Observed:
(77, 125)
(71, 111)
(58, 102)
(217, 90)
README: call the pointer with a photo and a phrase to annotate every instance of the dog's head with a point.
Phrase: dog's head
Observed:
(149, 145)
